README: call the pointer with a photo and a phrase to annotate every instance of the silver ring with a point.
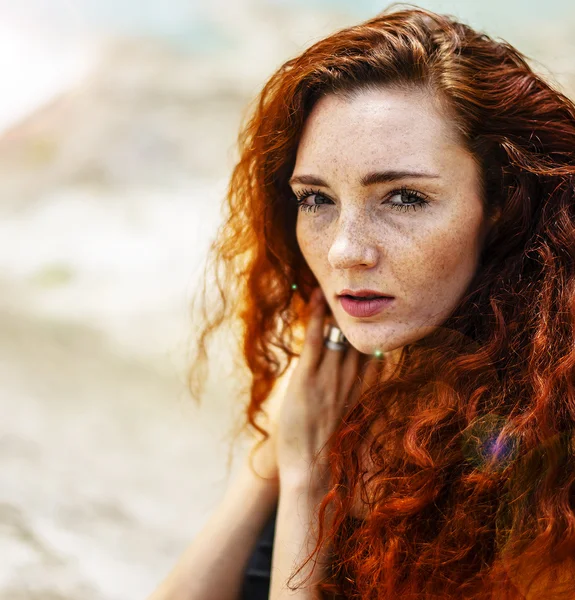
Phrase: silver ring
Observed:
(335, 340)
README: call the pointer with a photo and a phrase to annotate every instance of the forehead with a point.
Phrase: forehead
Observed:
(385, 126)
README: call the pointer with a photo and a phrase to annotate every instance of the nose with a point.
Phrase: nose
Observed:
(352, 247)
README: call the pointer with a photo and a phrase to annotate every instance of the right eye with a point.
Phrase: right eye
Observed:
(303, 195)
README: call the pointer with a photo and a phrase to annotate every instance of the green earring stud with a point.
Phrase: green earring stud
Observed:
(378, 354)
(294, 286)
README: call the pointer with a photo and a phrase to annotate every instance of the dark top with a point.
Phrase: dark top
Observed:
(256, 584)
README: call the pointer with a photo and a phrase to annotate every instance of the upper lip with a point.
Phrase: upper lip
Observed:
(361, 293)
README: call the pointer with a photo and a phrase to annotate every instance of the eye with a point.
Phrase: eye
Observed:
(410, 199)
(303, 195)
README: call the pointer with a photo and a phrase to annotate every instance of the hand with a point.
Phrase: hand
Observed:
(262, 453)
(264, 457)
(318, 394)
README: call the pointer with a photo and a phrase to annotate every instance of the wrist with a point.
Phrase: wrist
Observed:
(306, 481)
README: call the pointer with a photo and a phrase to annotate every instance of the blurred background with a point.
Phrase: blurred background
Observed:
(118, 121)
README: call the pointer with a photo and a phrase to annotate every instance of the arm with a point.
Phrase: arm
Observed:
(298, 501)
(213, 565)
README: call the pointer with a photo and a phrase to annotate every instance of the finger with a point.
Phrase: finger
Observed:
(332, 359)
(349, 370)
(313, 342)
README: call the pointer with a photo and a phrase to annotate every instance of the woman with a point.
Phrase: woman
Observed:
(408, 185)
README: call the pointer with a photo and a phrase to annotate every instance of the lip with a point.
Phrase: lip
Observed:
(363, 292)
(364, 308)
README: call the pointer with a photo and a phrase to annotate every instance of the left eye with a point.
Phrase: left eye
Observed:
(405, 194)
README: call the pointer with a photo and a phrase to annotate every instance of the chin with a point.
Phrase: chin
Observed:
(367, 348)
(368, 337)
(369, 342)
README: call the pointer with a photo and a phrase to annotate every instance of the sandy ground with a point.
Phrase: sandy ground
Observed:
(107, 467)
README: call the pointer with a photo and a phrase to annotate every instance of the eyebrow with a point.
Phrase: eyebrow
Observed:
(368, 179)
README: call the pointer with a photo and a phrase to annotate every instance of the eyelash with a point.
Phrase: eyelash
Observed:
(302, 195)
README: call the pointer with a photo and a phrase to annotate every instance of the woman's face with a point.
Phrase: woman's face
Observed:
(391, 203)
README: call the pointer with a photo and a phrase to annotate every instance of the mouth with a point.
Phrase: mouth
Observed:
(363, 294)
(363, 298)
(364, 306)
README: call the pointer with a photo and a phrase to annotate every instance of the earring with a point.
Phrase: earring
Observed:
(294, 286)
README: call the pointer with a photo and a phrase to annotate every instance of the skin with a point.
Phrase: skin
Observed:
(354, 238)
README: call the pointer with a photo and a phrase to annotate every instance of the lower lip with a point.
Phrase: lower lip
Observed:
(364, 308)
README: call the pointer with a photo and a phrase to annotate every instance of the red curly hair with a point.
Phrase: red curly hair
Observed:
(471, 489)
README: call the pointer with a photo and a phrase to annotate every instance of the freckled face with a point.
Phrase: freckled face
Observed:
(416, 237)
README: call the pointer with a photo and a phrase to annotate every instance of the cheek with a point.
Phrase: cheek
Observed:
(311, 243)
(440, 264)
